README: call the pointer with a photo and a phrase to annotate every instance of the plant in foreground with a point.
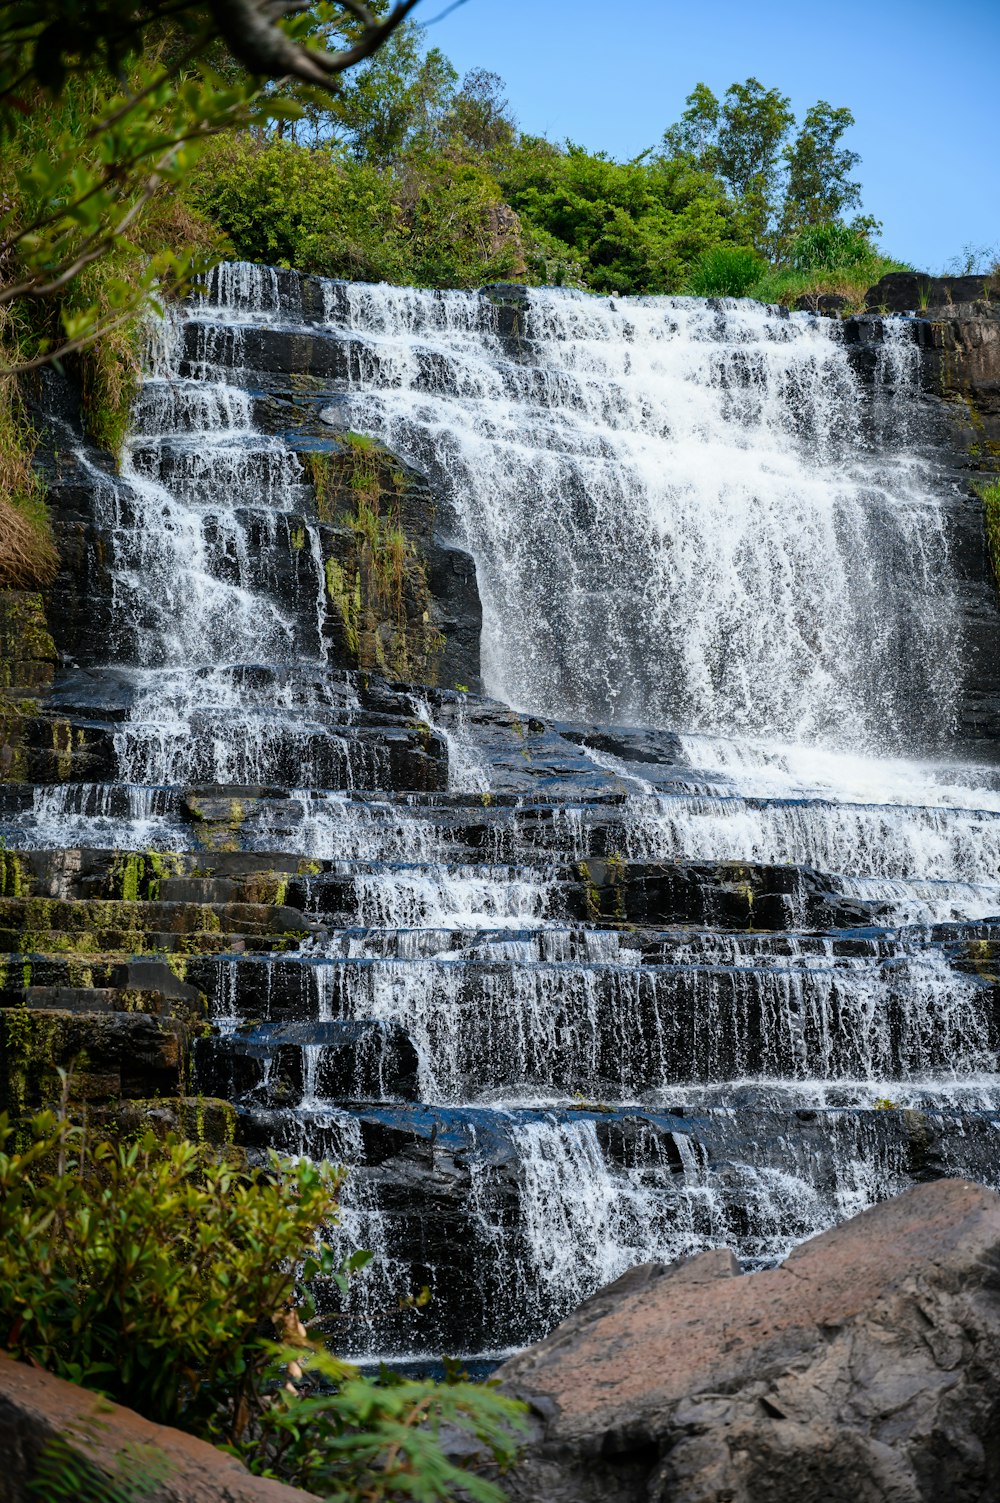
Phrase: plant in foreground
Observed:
(164, 1279)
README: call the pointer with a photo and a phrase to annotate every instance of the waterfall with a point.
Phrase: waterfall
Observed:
(720, 597)
(679, 513)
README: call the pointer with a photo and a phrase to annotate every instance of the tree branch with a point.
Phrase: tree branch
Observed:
(252, 37)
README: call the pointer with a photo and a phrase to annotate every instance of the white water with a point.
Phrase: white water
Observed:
(675, 516)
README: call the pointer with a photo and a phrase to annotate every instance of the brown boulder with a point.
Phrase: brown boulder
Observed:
(37, 1409)
(864, 1369)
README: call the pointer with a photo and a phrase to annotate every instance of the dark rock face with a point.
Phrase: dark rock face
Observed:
(864, 1368)
(915, 291)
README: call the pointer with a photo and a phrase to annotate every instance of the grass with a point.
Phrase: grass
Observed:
(990, 495)
(725, 271)
(28, 557)
(786, 285)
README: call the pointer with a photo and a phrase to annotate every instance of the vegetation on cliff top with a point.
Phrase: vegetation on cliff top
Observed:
(410, 177)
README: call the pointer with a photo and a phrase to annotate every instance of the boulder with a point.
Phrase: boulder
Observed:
(863, 1369)
(101, 1440)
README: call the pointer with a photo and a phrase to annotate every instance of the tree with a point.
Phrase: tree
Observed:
(396, 101)
(480, 118)
(820, 187)
(781, 186)
(103, 104)
(753, 125)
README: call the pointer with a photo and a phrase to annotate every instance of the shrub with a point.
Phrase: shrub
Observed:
(826, 247)
(162, 1278)
(146, 1270)
(726, 271)
(28, 558)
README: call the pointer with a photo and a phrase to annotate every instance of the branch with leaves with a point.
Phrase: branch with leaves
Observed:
(104, 105)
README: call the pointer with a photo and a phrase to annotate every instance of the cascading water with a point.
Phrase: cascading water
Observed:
(684, 515)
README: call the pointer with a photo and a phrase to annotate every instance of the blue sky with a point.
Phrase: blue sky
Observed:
(922, 79)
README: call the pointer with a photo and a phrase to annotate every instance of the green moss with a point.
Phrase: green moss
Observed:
(990, 496)
(591, 892)
(376, 585)
(14, 880)
(345, 600)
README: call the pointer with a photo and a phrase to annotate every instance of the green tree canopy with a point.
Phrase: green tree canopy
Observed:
(781, 182)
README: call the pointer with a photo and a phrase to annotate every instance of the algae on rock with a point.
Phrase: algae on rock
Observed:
(376, 578)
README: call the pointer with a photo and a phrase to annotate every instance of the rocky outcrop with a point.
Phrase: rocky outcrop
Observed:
(918, 292)
(861, 1370)
(105, 1445)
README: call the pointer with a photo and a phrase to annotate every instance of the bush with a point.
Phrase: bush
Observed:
(146, 1271)
(726, 271)
(166, 1280)
(826, 247)
(432, 223)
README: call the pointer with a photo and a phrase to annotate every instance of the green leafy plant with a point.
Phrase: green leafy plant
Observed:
(166, 1280)
(148, 1271)
(990, 496)
(726, 271)
(63, 1475)
(825, 247)
(353, 1440)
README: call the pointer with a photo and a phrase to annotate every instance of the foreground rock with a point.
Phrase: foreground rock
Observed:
(39, 1411)
(864, 1369)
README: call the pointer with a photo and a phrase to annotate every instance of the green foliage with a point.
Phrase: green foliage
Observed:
(352, 1440)
(164, 1279)
(990, 496)
(782, 182)
(28, 557)
(739, 138)
(825, 247)
(77, 175)
(322, 211)
(726, 271)
(626, 227)
(851, 281)
(819, 187)
(144, 1271)
(103, 104)
(287, 205)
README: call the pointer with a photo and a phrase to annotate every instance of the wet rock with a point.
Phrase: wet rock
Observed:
(862, 1369)
(826, 304)
(109, 1057)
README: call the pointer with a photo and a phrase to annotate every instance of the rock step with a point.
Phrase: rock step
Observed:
(121, 943)
(56, 748)
(74, 915)
(492, 1029)
(480, 1205)
(408, 821)
(110, 1056)
(612, 893)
